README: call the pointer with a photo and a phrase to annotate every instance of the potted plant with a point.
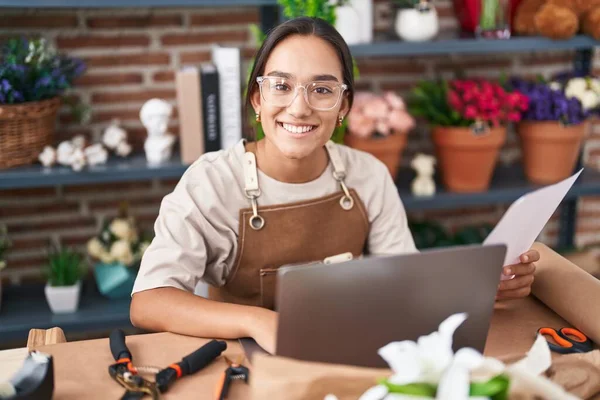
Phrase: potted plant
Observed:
(553, 128)
(468, 119)
(33, 77)
(118, 250)
(416, 20)
(379, 124)
(64, 272)
(4, 245)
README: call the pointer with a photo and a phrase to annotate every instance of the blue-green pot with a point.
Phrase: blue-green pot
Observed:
(114, 280)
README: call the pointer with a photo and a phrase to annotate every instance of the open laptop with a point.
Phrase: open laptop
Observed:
(343, 313)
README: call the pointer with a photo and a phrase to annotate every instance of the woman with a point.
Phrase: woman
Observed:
(240, 213)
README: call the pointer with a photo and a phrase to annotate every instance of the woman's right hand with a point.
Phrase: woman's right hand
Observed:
(264, 329)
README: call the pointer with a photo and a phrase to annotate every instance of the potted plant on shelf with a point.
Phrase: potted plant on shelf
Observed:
(64, 272)
(553, 128)
(5, 243)
(33, 77)
(469, 119)
(416, 20)
(118, 250)
(379, 124)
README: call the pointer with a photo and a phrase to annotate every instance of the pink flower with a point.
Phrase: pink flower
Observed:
(455, 100)
(470, 112)
(401, 121)
(360, 125)
(376, 108)
(394, 101)
(383, 128)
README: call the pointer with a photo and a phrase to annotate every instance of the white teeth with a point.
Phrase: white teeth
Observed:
(297, 129)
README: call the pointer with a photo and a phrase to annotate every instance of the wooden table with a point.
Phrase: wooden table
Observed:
(81, 368)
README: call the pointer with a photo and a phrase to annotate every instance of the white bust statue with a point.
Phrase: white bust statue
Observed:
(155, 115)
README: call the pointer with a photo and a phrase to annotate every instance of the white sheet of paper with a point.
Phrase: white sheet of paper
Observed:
(524, 220)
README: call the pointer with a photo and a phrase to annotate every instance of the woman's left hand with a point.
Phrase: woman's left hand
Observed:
(520, 285)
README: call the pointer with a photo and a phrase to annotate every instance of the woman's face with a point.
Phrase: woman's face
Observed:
(297, 130)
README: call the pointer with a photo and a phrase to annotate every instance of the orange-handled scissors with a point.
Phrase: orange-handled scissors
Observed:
(568, 340)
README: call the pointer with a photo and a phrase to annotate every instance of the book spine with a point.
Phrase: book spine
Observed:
(227, 61)
(210, 110)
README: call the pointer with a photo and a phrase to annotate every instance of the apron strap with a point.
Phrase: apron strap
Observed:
(251, 189)
(339, 173)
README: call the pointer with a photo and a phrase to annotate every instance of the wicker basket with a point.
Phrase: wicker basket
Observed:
(25, 129)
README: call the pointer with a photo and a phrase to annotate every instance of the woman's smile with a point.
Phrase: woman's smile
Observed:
(297, 130)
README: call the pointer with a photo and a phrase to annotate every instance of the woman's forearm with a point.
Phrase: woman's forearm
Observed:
(174, 310)
(567, 289)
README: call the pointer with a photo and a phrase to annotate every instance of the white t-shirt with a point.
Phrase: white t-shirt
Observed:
(197, 227)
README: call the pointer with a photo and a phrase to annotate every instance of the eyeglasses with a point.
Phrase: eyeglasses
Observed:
(319, 95)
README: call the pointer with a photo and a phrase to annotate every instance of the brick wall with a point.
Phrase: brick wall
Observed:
(132, 55)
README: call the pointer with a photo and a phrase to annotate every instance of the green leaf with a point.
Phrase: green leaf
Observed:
(496, 388)
(415, 389)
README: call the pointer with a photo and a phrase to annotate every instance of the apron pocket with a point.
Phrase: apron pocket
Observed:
(268, 280)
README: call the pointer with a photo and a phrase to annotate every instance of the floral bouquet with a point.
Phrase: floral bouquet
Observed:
(429, 369)
(119, 249)
(118, 242)
(466, 102)
(549, 102)
(378, 115)
(32, 70)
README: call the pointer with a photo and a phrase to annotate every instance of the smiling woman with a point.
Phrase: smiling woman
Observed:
(239, 214)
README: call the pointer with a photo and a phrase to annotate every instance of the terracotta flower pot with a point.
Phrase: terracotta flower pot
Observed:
(550, 150)
(466, 160)
(388, 149)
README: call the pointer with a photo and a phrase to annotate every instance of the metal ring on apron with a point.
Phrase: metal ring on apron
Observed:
(347, 202)
(256, 221)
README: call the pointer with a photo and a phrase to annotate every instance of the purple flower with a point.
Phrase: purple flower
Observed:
(546, 104)
(6, 86)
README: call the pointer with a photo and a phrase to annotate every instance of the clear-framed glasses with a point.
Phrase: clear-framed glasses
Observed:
(319, 95)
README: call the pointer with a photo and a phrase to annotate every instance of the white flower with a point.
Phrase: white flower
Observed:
(595, 85)
(555, 86)
(78, 142)
(589, 100)
(78, 160)
(114, 135)
(64, 152)
(123, 149)
(430, 359)
(426, 360)
(48, 156)
(121, 251)
(576, 87)
(95, 248)
(122, 229)
(96, 154)
(2, 264)
(106, 257)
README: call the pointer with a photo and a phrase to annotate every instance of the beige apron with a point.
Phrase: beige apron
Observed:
(300, 232)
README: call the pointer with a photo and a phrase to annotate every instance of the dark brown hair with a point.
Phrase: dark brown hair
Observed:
(305, 26)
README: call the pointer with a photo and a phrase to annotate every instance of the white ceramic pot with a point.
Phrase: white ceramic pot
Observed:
(347, 23)
(63, 299)
(413, 25)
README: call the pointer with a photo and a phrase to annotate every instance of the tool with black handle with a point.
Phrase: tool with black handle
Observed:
(190, 364)
(126, 374)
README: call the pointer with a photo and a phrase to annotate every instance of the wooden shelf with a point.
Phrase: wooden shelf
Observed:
(133, 168)
(390, 48)
(25, 307)
(131, 3)
(508, 184)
